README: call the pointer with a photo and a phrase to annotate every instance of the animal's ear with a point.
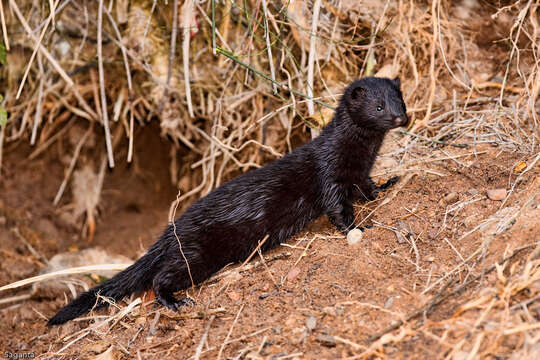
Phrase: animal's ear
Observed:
(397, 82)
(357, 93)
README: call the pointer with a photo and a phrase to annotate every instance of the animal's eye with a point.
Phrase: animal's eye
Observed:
(379, 108)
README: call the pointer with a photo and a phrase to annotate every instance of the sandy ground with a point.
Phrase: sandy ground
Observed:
(316, 297)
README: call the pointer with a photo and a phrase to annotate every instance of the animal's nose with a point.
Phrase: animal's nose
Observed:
(401, 120)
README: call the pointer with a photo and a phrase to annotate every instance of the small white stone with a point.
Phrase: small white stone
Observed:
(311, 322)
(354, 237)
(496, 194)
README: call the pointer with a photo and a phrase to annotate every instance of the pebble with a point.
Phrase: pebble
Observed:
(311, 322)
(451, 198)
(3, 220)
(354, 237)
(326, 340)
(496, 194)
(293, 274)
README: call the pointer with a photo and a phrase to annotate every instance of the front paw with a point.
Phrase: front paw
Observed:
(372, 195)
(343, 222)
(174, 304)
(390, 182)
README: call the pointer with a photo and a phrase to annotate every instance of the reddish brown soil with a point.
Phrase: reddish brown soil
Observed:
(283, 309)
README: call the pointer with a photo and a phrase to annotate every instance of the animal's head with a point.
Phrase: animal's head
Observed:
(376, 103)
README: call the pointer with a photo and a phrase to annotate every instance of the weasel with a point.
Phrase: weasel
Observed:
(323, 176)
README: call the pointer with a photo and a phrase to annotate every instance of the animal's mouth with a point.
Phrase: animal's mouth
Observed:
(401, 121)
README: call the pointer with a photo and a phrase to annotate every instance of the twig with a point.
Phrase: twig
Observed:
(50, 140)
(104, 112)
(178, 239)
(369, 55)
(4, 28)
(37, 117)
(172, 52)
(435, 4)
(56, 12)
(268, 45)
(263, 75)
(70, 271)
(198, 352)
(229, 333)
(241, 338)
(311, 61)
(72, 164)
(29, 246)
(441, 47)
(43, 50)
(439, 298)
(36, 48)
(529, 167)
(130, 85)
(187, 16)
(15, 298)
(518, 24)
(213, 27)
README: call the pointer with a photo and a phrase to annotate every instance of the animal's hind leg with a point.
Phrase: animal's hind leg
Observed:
(166, 283)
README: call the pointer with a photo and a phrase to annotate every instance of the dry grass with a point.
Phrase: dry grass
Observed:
(250, 79)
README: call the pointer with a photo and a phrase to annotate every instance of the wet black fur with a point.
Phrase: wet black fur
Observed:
(321, 177)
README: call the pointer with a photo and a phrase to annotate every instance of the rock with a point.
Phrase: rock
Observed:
(311, 322)
(496, 194)
(451, 198)
(293, 274)
(326, 340)
(388, 304)
(400, 237)
(3, 220)
(354, 237)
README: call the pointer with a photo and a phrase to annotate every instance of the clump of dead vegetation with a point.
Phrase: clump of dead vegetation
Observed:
(236, 84)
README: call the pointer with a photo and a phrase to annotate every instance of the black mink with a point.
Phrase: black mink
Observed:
(323, 176)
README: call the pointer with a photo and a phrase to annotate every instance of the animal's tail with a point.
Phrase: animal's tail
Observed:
(136, 278)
